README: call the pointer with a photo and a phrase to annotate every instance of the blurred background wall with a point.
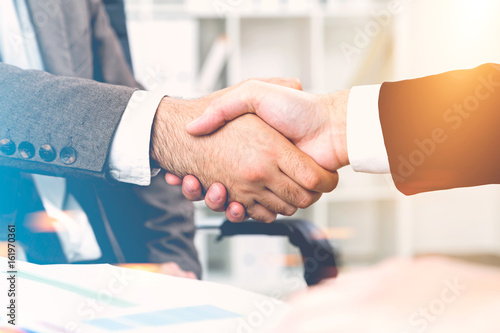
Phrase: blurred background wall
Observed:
(192, 47)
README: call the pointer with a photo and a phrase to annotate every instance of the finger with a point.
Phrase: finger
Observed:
(216, 197)
(170, 268)
(223, 110)
(235, 212)
(191, 188)
(291, 82)
(241, 100)
(276, 205)
(173, 179)
(229, 106)
(261, 213)
(292, 193)
(307, 173)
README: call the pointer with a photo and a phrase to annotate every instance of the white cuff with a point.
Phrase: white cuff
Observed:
(365, 141)
(129, 160)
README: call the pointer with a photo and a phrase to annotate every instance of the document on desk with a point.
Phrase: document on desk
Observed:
(104, 298)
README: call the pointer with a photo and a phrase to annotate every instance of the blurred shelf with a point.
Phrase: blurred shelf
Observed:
(332, 11)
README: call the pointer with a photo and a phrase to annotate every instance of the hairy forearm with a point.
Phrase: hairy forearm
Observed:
(169, 142)
(182, 154)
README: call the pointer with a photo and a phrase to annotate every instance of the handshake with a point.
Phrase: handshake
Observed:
(258, 149)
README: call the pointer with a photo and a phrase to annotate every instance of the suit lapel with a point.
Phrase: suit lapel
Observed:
(50, 27)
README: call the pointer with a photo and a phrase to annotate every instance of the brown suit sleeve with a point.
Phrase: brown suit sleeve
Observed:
(443, 131)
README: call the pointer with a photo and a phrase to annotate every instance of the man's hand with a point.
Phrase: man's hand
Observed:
(173, 269)
(423, 295)
(168, 268)
(262, 170)
(316, 124)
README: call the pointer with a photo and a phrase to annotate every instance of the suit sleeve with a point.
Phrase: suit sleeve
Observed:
(39, 109)
(443, 131)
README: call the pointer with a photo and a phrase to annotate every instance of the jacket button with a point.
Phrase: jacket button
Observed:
(68, 155)
(26, 150)
(7, 147)
(47, 153)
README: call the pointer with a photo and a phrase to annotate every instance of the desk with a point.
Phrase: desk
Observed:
(103, 298)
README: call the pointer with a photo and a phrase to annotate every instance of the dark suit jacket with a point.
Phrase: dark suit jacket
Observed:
(69, 108)
(442, 131)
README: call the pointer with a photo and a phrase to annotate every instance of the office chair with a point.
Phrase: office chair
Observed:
(317, 253)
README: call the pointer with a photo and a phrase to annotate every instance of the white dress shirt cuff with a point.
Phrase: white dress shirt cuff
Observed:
(365, 141)
(129, 160)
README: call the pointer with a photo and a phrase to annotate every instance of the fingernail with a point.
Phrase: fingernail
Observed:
(189, 188)
(233, 212)
(296, 79)
(214, 195)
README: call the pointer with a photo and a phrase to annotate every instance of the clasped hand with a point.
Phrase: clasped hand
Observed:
(255, 167)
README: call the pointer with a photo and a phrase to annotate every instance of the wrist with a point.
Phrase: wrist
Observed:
(335, 105)
(156, 132)
(172, 147)
(166, 130)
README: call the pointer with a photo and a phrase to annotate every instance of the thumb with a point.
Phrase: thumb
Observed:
(223, 110)
(236, 102)
(289, 82)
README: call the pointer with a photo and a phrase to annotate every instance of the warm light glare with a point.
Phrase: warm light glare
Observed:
(474, 29)
(446, 35)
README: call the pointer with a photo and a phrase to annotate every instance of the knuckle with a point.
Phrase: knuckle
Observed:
(248, 80)
(305, 201)
(334, 183)
(254, 173)
(261, 215)
(313, 180)
(270, 219)
(290, 211)
(258, 217)
(294, 194)
(297, 85)
(283, 209)
(252, 82)
(316, 196)
(249, 83)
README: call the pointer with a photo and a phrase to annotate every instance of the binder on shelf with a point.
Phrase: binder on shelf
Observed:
(214, 65)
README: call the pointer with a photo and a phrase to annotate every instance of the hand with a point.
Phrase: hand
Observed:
(315, 124)
(423, 295)
(173, 269)
(266, 178)
(168, 268)
(215, 198)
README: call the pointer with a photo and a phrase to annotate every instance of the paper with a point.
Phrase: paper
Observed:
(104, 298)
(183, 315)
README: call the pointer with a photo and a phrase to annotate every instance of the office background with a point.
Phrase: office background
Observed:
(193, 47)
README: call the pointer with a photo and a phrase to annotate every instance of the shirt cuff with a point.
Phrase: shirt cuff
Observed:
(365, 141)
(129, 160)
